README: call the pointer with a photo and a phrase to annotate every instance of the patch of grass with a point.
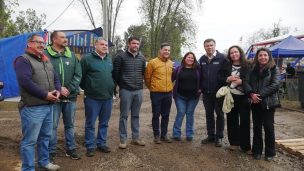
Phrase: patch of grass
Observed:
(8, 106)
(296, 105)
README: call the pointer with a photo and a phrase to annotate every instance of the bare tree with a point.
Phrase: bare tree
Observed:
(88, 10)
(263, 34)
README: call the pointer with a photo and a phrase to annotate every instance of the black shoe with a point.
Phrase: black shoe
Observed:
(249, 152)
(104, 149)
(90, 152)
(218, 142)
(189, 138)
(52, 157)
(207, 140)
(166, 139)
(72, 154)
(257, 156)
(177, 138)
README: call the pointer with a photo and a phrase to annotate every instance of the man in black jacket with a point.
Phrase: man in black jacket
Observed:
(210, 64)
(129, 69)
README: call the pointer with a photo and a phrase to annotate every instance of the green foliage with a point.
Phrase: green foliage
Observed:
(141, 32)
(28, 21)
(7, 26)
(168, 21)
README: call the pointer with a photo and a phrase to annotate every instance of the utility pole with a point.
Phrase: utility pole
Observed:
(105, 19)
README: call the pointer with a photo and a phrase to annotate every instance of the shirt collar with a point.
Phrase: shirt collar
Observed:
(213, 55)
(102, 57)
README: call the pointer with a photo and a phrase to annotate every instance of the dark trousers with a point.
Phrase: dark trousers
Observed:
(161, 105)
(212, 104)
(238, 123)
(263, 118)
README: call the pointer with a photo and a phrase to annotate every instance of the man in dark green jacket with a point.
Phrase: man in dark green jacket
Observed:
(98, 84)
(68, 69)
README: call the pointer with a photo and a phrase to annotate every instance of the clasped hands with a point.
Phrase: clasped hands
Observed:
(53, 96)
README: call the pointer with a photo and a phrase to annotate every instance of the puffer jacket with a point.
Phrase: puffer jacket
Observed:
(158, 75)
(129, 71)
(266, 84)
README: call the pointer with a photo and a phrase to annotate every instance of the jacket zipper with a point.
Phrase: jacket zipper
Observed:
(47, 75)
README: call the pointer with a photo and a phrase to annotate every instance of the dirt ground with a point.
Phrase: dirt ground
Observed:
(175, 156)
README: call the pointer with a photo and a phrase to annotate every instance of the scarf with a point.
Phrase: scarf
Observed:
(37, 54)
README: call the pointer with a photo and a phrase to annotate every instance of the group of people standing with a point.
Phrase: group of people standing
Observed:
(49, 78)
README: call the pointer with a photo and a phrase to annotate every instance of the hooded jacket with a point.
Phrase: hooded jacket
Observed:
(68, 69)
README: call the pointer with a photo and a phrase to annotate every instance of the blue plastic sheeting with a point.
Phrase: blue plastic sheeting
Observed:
(10, 48)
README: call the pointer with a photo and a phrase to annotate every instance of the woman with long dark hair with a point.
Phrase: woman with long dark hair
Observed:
(263, 90)
(186, 94)
(232, 74)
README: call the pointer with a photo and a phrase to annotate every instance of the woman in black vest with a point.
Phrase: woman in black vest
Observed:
(263, 90)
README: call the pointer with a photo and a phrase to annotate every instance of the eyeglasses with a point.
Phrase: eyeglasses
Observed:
(39, 42)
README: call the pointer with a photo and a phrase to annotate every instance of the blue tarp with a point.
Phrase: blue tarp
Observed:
(10, 48)
(289, 47)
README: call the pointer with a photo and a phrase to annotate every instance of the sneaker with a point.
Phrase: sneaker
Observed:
(52, 157)
(207, 140)
(49, 166)
(269, 158)
(157, 140)
(138, 142)
(189, 138)
(257, 156)
(72, 154)
(218, 142)
(90, 152)
(122, 145)
(166, 139)
(104, 149)
(177, 138)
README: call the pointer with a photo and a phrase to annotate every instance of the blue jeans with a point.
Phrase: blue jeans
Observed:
(184, 106)
(97, 108)
(161, 105)
(36, 122)
(68, 110)
(129, 100)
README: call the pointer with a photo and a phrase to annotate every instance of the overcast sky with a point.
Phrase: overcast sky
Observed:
(224, 20)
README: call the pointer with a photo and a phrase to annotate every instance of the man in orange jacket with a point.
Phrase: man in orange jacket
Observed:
(158, 79)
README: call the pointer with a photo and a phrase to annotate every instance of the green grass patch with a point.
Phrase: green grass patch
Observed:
(8, 106)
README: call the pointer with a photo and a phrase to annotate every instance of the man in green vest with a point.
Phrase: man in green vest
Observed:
(39, 90)
(68, 69)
